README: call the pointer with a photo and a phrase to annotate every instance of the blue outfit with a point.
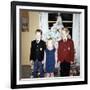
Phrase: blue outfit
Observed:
(50, 60)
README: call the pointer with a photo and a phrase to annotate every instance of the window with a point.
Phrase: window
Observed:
(67, 20)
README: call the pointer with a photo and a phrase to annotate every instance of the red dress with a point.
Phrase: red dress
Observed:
(66, 50)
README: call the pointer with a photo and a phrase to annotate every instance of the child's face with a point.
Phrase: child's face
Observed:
(64, 34)
(38, 35)
(50, 43)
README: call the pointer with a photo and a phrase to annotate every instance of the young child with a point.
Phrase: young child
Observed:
(37, 54)
(65, 52)
(50, 58)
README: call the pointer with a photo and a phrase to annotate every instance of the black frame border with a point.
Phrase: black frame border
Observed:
(13, 44)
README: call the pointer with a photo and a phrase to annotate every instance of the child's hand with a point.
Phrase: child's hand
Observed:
(72, 62)
(43, 62)
(57, 65)
(31, 62)
(59, 62)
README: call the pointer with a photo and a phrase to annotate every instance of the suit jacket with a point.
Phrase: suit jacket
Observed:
(66, 50)
(37, 50)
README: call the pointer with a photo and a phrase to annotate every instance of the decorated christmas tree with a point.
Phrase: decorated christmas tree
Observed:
(54, 31)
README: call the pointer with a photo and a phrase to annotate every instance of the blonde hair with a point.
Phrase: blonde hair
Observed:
(67, 31)
(50, 39)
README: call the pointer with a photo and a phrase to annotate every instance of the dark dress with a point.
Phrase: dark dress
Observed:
(50, 60)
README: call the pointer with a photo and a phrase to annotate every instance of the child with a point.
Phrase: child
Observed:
(50, 58)
(37, 54)
(65, 52)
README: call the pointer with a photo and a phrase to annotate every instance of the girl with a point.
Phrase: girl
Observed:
(50, 58)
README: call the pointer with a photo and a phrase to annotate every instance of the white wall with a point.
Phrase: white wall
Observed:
(5, 44)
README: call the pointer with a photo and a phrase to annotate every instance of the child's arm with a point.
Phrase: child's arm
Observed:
(44, 61)
(56, 59)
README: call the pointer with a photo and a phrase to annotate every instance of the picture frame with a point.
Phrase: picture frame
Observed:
(17, 44)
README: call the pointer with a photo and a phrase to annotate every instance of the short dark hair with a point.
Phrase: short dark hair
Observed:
(38, 30)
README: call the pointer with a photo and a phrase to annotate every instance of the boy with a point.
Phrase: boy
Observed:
(37, 54)
(65, 52)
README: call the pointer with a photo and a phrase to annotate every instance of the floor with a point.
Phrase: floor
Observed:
(26, 71)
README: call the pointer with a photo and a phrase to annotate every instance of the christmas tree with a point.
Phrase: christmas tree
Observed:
(54, 32)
